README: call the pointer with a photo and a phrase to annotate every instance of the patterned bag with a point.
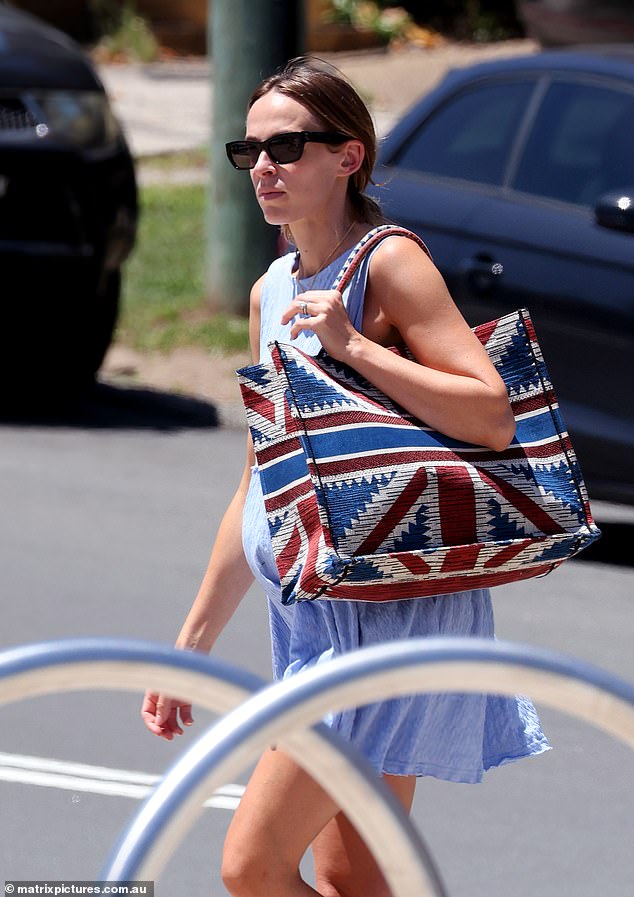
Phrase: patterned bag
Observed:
(364, 502)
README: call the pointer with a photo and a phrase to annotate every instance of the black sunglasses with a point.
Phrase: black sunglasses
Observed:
(281, 149)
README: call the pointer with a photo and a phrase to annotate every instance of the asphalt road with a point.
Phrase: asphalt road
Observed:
(108, 514)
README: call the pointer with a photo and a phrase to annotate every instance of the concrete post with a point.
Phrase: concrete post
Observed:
(248, 40)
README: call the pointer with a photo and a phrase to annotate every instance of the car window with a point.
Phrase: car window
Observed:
(471, 135)
(581, 145)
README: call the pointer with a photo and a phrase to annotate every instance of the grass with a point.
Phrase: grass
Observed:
(197, 157)
(164, 281)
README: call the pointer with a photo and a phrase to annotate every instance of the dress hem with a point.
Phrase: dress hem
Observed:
(461, 776)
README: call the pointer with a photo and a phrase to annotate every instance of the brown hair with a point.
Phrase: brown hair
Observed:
(330, 97)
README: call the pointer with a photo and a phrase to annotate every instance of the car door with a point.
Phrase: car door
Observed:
(540, 237)
(447, 162)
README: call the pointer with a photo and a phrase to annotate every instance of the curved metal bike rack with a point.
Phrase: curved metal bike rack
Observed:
(280, 712)
(82, 664)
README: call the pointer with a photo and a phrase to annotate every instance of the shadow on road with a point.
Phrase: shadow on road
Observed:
(614, 546)
(115, 407)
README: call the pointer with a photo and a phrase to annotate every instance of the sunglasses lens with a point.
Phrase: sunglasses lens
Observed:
(242, 154)
(286, 148)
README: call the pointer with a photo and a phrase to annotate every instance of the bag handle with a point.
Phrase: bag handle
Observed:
(368, 242)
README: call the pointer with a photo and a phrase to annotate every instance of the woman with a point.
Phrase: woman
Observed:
(310, 148)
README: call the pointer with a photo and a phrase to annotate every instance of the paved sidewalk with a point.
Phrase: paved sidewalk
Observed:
(165, 107)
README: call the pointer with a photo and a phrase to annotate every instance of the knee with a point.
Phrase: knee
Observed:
(249, 872)
(239, 871)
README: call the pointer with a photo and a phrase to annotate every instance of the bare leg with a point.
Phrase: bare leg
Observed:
(280, 814)
(344, 867)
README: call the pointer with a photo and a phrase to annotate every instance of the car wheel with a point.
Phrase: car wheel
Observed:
(106, 314)
(83, 340)
(51, 351)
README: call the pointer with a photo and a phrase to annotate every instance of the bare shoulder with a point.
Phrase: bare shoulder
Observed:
(403, 274)
(256, 294)
(399, 248)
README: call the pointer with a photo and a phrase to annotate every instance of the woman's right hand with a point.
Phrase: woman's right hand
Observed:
(225, 582)
(163, 715)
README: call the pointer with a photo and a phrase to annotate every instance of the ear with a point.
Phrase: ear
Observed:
(352, 157)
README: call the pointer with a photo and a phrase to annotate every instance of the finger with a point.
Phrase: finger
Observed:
(295, 309)
(149, 702)
(150, 722)
(186, 715)
(175, 717)
(148, 709)
(169, 728)
(165, 711)
(303, 324)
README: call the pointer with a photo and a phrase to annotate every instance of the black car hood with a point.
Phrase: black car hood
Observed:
(34, 54)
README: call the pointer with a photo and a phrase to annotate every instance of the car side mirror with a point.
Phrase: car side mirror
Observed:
(615, 209)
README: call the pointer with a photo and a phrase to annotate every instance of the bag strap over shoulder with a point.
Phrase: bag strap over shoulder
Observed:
(367, 243)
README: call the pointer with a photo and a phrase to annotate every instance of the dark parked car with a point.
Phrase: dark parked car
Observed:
(519, 174)
(68, 210)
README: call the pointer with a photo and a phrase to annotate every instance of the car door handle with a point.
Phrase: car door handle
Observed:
(482, 272)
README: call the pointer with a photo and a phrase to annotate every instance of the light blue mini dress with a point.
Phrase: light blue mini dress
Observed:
(450, 736)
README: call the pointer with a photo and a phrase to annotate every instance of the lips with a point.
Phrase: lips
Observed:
(267, 195)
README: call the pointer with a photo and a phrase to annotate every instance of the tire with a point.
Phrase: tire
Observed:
(52, 352)
(104, 322)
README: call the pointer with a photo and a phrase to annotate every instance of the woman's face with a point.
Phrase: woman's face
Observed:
(297, 190)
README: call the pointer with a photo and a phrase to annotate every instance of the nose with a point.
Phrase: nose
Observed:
(263, 162)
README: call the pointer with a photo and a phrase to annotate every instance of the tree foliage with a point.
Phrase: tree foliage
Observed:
(480, 20)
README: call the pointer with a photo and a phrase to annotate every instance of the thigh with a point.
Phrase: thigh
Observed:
(279, 815)
(343, 864)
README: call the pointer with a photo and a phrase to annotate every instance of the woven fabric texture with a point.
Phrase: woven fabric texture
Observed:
(364, 502)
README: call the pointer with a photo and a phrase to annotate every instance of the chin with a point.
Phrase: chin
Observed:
(271, 217)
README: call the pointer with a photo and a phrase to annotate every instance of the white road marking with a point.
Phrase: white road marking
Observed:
(69, 776)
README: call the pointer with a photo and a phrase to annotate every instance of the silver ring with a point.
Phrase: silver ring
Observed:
(304, 309)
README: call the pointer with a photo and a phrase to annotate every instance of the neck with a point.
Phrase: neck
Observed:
(316, 254)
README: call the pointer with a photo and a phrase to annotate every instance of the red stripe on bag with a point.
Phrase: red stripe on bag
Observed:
(484, 331)
(456, 504)
(289, 554)
(415, 565)
(359, 463)
(530, 329)
(310, 581)
(258, 403)
(462, 557)
(287, 445)
(286, 497)
(522, 405)
(410, 494)
(523, 503)
(433, 588)
(507, 554)
(336, 419)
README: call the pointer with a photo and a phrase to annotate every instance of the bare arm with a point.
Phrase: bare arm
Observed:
(228, 576)
(454, 387)
(223, 586)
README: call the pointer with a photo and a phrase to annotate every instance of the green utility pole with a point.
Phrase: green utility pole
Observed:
(248, 40)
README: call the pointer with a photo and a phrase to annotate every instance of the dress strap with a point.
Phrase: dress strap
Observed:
(368, 242)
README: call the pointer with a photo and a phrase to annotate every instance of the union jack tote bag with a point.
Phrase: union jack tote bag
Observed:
(366, 503)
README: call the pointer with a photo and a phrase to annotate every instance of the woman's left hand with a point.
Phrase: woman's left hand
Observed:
(323, 313)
